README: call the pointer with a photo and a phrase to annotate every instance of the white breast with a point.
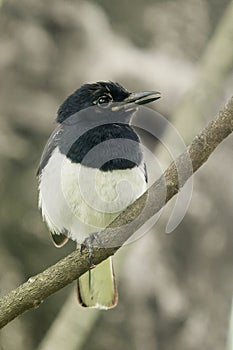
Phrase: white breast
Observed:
(85, 200)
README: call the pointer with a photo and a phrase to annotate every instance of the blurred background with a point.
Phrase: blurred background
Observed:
(175, 290)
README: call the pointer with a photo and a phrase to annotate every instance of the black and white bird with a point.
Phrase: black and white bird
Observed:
(91, 169)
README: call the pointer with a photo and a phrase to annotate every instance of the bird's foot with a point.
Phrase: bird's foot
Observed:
(88, 244)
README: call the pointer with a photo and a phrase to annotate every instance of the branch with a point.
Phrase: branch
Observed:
(33, 292)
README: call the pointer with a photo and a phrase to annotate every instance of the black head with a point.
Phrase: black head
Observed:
(102, 94)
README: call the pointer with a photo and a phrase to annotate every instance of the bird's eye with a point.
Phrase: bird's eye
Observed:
(104, 100)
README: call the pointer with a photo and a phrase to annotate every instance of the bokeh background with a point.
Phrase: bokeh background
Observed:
(175, 290)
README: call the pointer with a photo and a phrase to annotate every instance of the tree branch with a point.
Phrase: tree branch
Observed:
(38, 288)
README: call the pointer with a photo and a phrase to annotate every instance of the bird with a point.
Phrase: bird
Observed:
(91, 169)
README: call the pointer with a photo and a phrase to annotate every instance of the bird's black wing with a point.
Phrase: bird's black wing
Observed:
(49, 148)
(66, 134)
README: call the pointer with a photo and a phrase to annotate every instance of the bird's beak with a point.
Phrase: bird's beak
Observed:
(136, 98)
(141, 98)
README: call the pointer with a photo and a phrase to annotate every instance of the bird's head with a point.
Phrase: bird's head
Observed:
(103, 95)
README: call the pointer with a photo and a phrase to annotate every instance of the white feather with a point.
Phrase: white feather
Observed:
(84, 200)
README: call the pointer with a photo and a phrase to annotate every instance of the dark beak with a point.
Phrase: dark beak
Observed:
(141, 98)
(136, 98)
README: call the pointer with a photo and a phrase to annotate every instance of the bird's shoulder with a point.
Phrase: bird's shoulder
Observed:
(50, 146)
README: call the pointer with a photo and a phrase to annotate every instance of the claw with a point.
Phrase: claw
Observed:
(88, 244)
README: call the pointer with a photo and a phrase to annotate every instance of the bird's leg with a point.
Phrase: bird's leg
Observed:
(88, 244)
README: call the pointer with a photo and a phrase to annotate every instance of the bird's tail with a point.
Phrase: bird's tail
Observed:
(97, 287)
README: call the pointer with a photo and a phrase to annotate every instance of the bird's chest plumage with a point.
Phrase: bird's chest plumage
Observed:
(81, 200)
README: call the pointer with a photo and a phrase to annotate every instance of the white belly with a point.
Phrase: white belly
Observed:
(85, 200)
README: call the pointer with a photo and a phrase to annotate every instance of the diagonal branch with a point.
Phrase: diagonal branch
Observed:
(38, 288)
